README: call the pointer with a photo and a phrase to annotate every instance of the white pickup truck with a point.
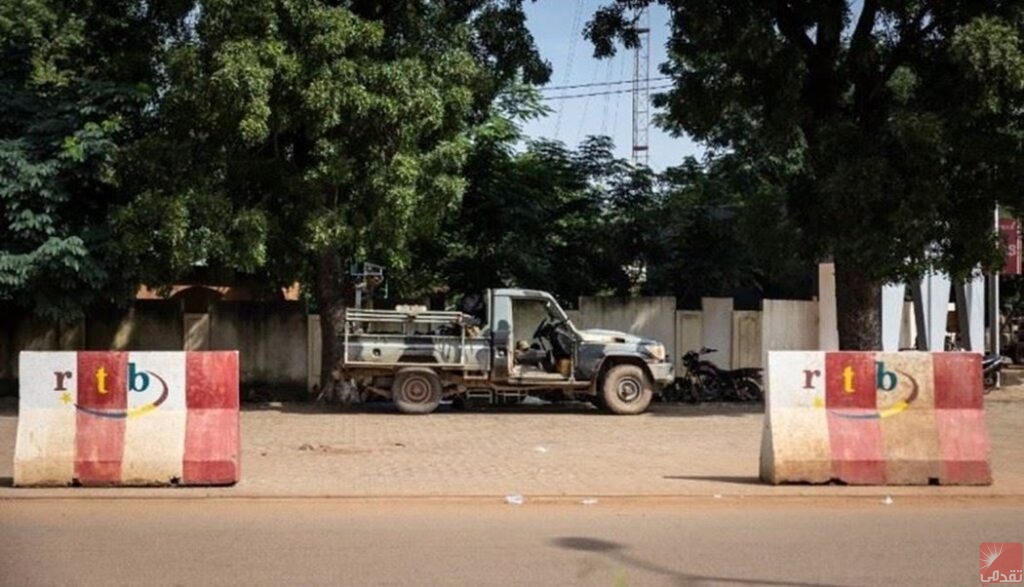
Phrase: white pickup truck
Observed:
(522, 344)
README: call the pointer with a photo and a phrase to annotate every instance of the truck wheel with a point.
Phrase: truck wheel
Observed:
(416, 391)
(626, 390)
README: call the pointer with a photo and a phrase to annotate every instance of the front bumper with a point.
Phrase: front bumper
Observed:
(662, 373)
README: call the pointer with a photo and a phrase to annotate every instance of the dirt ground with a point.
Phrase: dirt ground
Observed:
(712, 451)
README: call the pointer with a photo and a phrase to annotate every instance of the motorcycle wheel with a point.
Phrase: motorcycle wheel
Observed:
(988, 382)
(711, 390)
(749, 391)
(685, 391)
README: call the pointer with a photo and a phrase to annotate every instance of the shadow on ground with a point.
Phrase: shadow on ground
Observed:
(618, 553)
(707, 409)
(386, 407)
(660, 410)
(736, 479)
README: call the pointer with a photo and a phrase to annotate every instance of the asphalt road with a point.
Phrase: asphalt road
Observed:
(338, 542)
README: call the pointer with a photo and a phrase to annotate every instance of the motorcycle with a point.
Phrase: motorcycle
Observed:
(991, 366)
(704, 381)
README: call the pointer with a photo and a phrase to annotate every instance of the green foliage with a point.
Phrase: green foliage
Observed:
(722, 229)
(534, 214)
(75, 83)
(338, 130)
(898, 122)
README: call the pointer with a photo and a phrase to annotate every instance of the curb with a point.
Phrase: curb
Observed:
(880, 499)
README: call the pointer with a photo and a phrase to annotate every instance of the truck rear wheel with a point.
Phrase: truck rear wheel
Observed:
(416, 391)
(626, 390)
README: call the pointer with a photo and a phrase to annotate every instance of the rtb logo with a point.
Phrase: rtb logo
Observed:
(137, 381)
(885, 381)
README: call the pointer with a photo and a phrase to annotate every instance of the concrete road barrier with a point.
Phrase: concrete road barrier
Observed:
(875, 419)
(127, 418)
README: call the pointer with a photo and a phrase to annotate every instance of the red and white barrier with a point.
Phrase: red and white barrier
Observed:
(128, 418)
(875, 419)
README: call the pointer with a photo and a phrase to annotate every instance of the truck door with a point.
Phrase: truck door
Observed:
(501, 338)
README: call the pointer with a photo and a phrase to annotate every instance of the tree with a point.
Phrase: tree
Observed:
(536, 214)
(540, 218)
(339, 128)
(708, 228)
(76, 84)
(702, 250)
(895, 127)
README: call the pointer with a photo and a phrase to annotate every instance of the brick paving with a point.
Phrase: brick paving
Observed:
(568, 450)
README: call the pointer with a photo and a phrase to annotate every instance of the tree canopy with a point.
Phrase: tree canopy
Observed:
(286, 139)
(337, 132)
(893, 127)
(76, 85)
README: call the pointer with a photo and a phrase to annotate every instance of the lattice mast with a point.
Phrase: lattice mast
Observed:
(641, 86)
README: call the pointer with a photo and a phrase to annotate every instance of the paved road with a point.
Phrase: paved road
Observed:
(337, 542)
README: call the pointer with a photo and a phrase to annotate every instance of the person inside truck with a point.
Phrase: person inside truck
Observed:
(532, 355)
(551, 341)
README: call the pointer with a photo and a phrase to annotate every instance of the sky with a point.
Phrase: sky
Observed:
(559, 36)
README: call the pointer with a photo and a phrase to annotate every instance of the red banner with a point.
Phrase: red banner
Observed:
(1009, 233)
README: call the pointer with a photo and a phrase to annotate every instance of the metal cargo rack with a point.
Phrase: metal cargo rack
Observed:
(407, 320)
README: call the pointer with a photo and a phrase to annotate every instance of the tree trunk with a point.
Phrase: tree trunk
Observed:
(858, 308)
(331, 297)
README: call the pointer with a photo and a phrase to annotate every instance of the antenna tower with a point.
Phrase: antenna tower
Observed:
(641, 85)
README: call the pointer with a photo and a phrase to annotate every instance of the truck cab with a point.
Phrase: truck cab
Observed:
(520, 343)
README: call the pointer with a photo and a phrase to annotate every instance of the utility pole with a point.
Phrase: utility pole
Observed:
(641, 85)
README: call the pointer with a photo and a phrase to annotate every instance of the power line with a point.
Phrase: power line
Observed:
(623, 61)
(607, 99)
(573, 37)
(615, 83)
(626, 91)
(586, 103)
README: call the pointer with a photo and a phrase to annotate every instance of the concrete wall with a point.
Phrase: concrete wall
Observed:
(828, 324)
(746, 339)
(280, 344)
(717, 330)
(783, 325)
(197, 332)
(151, 325)
(575, 316)
(21, 334)
(271, 338)
(650, 317)
(893, 307)
(789, 325)
(689, 334)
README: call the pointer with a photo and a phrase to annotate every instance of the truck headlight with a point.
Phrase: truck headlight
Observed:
(655, 350)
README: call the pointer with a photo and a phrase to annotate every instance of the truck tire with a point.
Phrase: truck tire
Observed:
(626, 390)
(416, 391)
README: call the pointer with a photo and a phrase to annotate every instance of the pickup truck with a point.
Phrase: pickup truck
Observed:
(520, 344)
